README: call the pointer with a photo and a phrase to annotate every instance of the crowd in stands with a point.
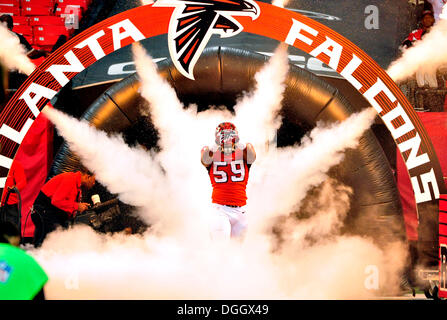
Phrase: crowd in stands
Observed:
(44, 24)
(428, 91)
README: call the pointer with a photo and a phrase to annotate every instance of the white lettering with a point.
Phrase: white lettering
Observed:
(372, 92)
(119, 68)
(424, 195)
(5, 163)
(349, 70)
(295, 33)
(334, 54)
(93, 44)
(57, 70)
(372, 20)
(402, 129)
(40, 92)
(16, 136)
(317, 65)
(413, 160)
(129, 31)
(297, 59)
(372, 280)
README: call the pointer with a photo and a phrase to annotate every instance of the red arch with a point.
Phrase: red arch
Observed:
(273, 22)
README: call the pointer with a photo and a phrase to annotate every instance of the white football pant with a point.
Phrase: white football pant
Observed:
(227, 222)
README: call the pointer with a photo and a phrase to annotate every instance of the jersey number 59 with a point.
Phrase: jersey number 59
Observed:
(237, 169)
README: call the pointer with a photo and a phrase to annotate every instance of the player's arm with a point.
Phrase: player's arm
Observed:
(250, 154)
(206, 157)
(64, 198)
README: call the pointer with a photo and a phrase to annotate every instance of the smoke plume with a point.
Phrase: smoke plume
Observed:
(280, 3)
(12, 53)
(257, 112)
(309, 259)
(425, 57)
(319, 151)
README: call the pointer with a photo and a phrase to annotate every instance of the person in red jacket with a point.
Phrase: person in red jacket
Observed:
(58, 201)
(16, 179)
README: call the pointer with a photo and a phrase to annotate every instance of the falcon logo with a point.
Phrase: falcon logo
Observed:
(194, 21)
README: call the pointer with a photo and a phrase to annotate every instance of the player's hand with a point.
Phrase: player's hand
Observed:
(209, 152)
(251, 154)
(207, 156)
(82, 206)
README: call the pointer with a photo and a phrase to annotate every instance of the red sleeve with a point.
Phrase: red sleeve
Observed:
(64, 197)
(415, 35)
(19, 176)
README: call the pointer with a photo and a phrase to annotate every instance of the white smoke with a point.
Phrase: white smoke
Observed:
(82, 264)
(319, 151)
(280, 3)
(425, 57)
(437, 6)
(257, 112)
(12, 53)
(309, 260)
(130, 176)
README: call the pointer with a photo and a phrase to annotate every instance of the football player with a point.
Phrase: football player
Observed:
(228, 164)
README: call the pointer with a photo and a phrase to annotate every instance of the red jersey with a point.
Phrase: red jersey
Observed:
(64, 191)
(16, 177)
(229, 176)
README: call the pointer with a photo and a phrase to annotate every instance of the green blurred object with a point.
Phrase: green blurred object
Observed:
(21, 277)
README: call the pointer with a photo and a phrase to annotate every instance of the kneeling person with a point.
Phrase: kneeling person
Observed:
(58, 201)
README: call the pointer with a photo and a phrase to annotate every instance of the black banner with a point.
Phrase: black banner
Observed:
(376, 26)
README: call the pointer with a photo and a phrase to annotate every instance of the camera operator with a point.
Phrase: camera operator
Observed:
(58, 201)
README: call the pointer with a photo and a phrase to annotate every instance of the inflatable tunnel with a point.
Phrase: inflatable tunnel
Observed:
(222, 74)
